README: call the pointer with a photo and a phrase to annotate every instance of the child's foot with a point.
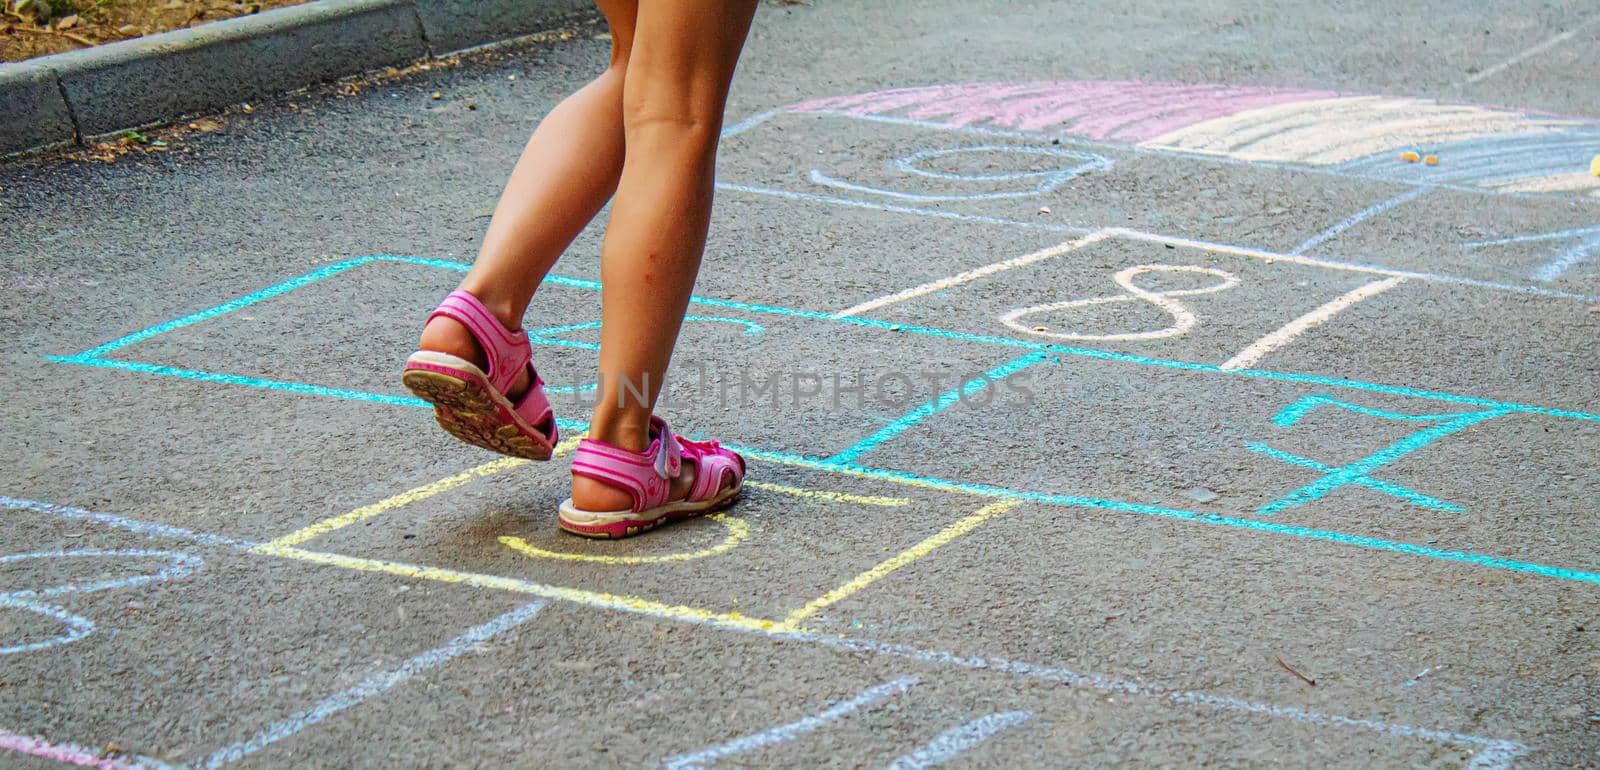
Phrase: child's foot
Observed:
(618, 492)
(478, 375)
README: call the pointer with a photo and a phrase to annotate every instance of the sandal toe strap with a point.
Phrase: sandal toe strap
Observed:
(534, 406)
(715, 468)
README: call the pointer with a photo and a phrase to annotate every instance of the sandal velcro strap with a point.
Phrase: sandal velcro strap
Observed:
(647, 476)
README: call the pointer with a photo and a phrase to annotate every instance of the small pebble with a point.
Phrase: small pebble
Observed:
(1431, 160)
(1044, 209)
(1410, 156)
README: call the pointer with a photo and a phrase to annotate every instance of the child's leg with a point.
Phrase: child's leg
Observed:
(567, 171)
(679, 71)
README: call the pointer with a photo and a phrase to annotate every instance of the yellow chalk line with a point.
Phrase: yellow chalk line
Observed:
(408, 497)
(623, 603)
(832, 497)
(899, 560)
(738, 531)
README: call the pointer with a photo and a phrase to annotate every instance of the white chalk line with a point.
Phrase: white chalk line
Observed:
(1255, 351)
(1504, 751)
(178, 565)
(877, 206)
(972, 275)
(1555, 268)
(1526, 54)
(1588, 242)
(1049, 181)
(375, 684)
(958, 740)
(1176, 241)
(787, 732)
(1357, 218)
(1183, 319)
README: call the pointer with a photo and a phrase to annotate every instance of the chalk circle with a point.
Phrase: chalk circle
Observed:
(178, 565)
(1183, 319)
(737, 532)
(1076, 163)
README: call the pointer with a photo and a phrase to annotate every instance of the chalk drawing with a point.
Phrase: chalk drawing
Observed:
(376, 684)
(1040, 182)
(1363, 215)
(73, 754)
(1486, 149)
(878, 572)
(1324, 313)
(958, 740)
(1587, 243)
(1183, 320)
(1490, 753)
(967, 390)
(868, 698)
(1049, 252)
(737, 532)
(178, 565)
(1527, 53)
(1357, 472)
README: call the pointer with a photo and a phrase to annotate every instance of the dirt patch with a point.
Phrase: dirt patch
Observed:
(31, 28)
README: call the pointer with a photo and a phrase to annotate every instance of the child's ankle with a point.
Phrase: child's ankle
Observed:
(505, 309)
(447, 335)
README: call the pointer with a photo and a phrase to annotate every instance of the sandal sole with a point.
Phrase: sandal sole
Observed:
(466, 410)
(626, 528)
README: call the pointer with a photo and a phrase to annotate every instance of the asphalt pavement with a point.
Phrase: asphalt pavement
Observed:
(1117, 390)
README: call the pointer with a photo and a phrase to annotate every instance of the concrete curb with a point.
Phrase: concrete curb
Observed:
(57, 100)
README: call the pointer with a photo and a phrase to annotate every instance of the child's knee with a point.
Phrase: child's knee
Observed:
(681, 117)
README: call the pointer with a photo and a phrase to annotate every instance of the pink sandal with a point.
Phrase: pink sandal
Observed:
(647, 476)
(471, 404)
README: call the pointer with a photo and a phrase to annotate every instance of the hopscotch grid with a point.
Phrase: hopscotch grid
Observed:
(1489, 753)
(1467, 557)
(89, 358)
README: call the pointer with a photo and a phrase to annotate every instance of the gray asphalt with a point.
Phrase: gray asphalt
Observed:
(1099, 559)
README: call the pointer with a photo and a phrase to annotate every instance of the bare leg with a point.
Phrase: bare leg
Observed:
(567, 172)
(679, 72)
